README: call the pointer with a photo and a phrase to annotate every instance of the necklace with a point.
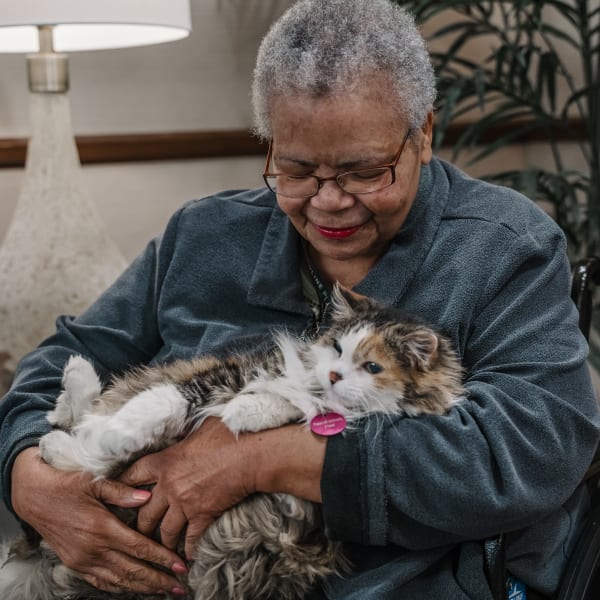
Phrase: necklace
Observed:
(323, 296)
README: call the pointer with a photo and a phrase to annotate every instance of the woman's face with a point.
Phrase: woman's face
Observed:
(326, 136)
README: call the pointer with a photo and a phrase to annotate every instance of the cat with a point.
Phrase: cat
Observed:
(370, 360)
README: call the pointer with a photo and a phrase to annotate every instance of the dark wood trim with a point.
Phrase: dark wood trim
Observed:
(202, 144)
(147, 147)
(574, 132)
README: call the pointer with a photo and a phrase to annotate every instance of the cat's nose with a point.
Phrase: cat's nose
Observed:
(334, 376)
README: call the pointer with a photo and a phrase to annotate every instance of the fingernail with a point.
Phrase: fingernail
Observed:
(141, 494)
(178, 591)
(179, 568)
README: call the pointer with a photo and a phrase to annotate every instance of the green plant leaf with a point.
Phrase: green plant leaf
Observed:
(522, 85)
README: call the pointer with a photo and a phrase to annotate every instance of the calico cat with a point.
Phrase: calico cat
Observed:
(370, 360)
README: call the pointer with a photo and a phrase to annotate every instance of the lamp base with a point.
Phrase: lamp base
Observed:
(56, 257)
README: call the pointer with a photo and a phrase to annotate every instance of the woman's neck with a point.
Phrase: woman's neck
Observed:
(348, 273)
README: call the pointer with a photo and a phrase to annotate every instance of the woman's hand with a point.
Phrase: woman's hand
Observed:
(211, 470)
(197, 479)
(68, 511)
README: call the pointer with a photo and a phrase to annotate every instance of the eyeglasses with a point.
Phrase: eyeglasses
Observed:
(363, 181)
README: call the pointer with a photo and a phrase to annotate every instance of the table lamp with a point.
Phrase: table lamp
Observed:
(57, 256)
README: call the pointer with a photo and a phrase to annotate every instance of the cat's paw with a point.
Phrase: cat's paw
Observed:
(255, 412)
(80, 387)
(58, 449)
(80, 378)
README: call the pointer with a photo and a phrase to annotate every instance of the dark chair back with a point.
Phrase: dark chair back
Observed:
(586, 276)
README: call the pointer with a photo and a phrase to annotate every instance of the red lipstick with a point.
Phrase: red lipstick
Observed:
(336, 234)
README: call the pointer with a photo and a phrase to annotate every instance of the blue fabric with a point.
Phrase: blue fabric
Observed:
(411, 497)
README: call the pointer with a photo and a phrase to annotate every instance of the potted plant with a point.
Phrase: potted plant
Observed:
(538, 77)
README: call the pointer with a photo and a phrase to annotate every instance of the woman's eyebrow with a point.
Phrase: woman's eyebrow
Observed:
(297, 161)
(365, 162)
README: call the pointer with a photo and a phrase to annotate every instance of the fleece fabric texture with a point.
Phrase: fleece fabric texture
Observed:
(412, 497)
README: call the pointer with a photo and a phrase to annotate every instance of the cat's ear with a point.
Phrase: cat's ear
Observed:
(422, 345)
(346, 302)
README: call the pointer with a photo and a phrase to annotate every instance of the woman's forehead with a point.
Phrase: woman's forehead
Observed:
(307, 126)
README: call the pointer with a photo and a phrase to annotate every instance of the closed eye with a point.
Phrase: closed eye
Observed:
(368, 174)
(337, 347)
(372, 367)
(297, 177)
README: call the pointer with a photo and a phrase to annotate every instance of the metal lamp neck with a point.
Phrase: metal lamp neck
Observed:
(47, 70)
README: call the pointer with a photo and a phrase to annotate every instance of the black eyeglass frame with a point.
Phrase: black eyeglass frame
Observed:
(320, 180)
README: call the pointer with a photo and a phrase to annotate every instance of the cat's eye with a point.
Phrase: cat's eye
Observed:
(337, 347)
(372, 367)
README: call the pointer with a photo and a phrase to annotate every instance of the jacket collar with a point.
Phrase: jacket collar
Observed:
(276, 281)
(390, 278)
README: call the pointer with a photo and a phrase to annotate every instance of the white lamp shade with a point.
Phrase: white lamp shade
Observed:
(92, 24)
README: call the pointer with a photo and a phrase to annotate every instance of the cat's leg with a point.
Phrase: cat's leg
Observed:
(155, 417)
(80, 387)
(255, 411)
(61, 450)
(266, 403)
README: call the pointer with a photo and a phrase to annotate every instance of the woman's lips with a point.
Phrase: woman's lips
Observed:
(336, 233)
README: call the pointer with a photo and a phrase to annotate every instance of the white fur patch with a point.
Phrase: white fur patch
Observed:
(100, 441)
(258, 411)
(80, 387)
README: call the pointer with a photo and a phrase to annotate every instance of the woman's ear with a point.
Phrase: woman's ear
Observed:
(426, 150)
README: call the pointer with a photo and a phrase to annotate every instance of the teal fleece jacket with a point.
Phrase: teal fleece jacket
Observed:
(411, 499)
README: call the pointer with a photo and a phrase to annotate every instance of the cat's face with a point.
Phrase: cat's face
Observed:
(374, 360)
(367, 368)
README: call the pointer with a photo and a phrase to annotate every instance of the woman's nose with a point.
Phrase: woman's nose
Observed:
(331, 197)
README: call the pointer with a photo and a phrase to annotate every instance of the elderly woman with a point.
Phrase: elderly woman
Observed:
(344, 92)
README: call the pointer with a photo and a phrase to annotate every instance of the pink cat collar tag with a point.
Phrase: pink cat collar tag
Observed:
(328, 424)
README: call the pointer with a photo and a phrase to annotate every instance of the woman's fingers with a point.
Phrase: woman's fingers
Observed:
(151, 514)
(172, 526)
(144, 471)
(194, 532)
(120, 573)
(122, 558)
(140, 547)
(116, 493)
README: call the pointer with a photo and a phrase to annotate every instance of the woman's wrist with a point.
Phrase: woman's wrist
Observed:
(24, 466)
(288, 460)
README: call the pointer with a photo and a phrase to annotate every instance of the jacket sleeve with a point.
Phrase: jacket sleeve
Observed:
(119, 330)
(512, 452)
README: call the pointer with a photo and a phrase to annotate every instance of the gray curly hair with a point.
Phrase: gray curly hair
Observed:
(326, 46)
